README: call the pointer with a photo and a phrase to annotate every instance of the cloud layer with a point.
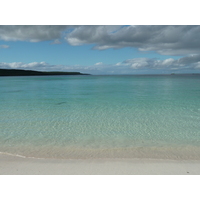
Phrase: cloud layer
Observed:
(31, 33)
(166, 40)
(188, 62)
(129, 66)
(43, 66)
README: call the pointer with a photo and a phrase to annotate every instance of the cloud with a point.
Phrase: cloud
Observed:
(129, 66)
(90, 34)
(99, 63)
(188, 62)
(56, 41)
(21, 65)
(31, 33)
(43, 66)
(166, 40)
(3, 46)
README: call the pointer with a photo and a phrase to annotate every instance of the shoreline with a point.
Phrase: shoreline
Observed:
(66, 153)
(15, 165)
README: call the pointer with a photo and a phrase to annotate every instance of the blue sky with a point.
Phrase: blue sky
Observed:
(102, 49)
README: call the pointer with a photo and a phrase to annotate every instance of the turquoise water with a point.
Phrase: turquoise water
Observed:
(100, 116)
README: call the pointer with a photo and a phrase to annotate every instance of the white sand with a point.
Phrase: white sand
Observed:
(13, 165)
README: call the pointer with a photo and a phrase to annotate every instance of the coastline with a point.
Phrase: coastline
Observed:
(16, 165)
(21, 72)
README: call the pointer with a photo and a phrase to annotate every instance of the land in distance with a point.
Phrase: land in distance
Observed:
(21, 72)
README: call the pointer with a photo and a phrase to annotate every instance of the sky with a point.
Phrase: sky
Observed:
(101, 49)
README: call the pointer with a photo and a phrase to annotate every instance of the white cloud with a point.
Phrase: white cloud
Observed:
(188, 62)
(118, 64)
(130, 66)
(43, 66)
(99, 63)
(56, 41)
(74, 41)
(168, 61)
(21, 65)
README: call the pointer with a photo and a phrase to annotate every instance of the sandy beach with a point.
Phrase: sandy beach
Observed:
(14, 165)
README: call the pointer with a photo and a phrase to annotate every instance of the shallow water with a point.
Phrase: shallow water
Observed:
(100, 116)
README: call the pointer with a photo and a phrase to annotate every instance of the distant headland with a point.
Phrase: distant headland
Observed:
(21, 72)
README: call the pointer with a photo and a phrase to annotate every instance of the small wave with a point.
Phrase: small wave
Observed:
(17, 155)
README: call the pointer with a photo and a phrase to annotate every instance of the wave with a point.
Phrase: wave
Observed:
(17, 155)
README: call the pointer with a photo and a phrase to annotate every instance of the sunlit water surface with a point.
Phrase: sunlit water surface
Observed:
(100, 116)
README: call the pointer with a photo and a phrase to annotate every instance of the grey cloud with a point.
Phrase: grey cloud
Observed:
(168, 40)
(189, 59)
(4, 46)
(90, 34)
(31, 33)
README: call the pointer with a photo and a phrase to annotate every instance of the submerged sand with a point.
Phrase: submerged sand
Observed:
(15, 165)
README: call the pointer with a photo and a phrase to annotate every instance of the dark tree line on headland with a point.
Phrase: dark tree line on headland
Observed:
(20, 72)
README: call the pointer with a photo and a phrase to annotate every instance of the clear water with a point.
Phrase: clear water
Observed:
(100, 116)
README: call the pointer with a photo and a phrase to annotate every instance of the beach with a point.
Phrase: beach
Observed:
(14, 165)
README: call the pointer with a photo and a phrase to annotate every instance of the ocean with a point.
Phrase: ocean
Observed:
(86, 117)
